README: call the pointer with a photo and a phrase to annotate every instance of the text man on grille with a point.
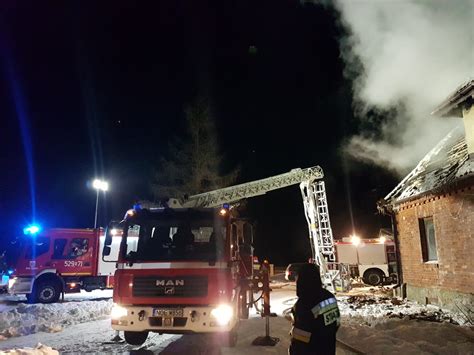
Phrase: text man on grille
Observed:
(315, 315)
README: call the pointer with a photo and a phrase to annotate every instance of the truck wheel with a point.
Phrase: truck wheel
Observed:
(47, 291)
(373, 277)
(135, 338)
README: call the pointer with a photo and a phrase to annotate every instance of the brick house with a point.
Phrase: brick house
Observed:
(432, 210)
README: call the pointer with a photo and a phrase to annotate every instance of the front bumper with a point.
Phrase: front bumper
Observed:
(194, 320)
(20, 285)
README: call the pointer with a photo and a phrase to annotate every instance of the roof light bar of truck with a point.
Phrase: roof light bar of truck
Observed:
(32, 229)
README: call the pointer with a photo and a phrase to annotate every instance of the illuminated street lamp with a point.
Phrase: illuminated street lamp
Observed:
(99, 185)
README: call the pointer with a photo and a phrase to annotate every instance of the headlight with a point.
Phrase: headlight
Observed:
(118, 312)
(223, 314)
(11, 282)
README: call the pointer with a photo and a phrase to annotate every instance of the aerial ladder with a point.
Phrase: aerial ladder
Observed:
(315, 206)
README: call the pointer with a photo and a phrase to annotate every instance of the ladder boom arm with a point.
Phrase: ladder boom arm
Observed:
(254, 188)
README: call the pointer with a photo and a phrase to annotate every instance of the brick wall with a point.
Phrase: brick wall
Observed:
(453, 216)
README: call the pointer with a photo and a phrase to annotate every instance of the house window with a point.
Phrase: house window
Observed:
(428, 239)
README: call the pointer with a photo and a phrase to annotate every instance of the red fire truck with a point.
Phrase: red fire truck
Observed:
(53, 261)
(188, 267)
(181, 271)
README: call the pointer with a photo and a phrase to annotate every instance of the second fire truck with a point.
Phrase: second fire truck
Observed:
(45, 263)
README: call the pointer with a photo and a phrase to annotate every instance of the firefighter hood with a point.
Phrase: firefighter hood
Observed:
(308, 283)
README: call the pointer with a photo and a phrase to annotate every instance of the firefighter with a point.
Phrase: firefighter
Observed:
(183, 239)
(315, 315)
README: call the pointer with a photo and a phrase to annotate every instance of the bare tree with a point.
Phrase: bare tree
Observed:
(193, 164)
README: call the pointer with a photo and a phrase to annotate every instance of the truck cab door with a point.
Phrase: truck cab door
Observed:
(73, 256)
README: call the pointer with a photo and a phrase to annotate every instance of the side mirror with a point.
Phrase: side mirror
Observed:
(114, 229)
(108, 234)
(106, 251)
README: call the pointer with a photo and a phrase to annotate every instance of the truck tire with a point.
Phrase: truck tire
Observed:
(45, 291)
(135, 338)
(373, 277)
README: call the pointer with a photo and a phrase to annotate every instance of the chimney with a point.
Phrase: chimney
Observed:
(461, 104)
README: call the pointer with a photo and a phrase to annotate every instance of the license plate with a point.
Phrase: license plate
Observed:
(173, 312)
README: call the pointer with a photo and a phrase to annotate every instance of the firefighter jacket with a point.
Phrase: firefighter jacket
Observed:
(315, 318)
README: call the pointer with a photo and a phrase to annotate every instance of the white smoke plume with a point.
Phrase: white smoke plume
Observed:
(406, 56)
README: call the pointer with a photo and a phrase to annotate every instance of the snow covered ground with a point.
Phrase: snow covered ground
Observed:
(18, 318)
(377, 324)
(372, 323)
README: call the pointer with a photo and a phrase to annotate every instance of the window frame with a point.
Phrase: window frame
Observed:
(56, 256)
(424, 224)
(35, 250)
(66, 252)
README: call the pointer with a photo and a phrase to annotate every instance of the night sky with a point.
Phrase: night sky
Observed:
(99, 88)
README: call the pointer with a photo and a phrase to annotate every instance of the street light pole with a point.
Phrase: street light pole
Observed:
(96, 206)
(99, 185)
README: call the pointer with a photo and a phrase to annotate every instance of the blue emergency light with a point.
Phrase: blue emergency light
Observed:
(32, 229)
(10, 272)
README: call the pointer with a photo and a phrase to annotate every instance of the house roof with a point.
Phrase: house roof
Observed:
(452, 105)
(446, 163)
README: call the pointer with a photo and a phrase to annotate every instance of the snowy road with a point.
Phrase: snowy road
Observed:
(94, 337)
(367, 327)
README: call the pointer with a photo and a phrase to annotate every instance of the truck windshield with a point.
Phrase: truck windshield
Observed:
(180, 236)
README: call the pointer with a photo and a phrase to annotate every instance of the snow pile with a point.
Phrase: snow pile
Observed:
(26, 319)
(372, 309)
(40, 349)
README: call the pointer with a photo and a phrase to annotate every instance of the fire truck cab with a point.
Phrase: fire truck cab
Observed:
(183, 270)
(51, 261)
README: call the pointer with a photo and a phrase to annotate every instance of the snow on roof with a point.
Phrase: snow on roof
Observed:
(451, 105)
(447, 162)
